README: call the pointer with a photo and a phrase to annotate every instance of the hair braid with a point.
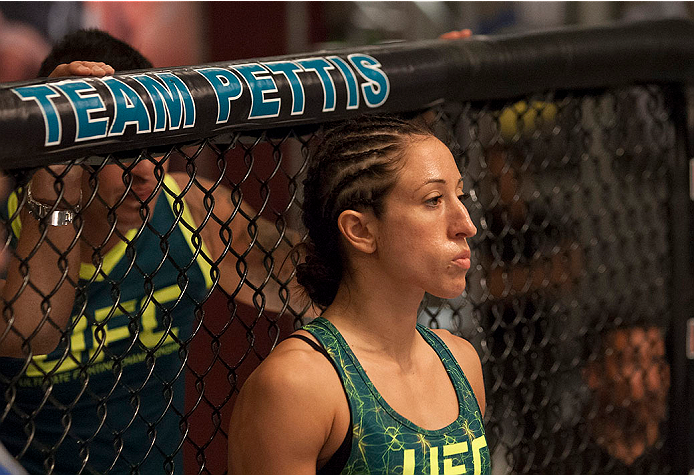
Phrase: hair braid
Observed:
(354, 167)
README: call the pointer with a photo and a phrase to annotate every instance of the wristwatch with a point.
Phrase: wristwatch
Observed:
(58, 217)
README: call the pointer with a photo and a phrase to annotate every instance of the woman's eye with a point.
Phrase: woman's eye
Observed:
(435, 200)
(463, 196)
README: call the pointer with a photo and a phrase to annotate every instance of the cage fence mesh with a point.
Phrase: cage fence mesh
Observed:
(566, 301)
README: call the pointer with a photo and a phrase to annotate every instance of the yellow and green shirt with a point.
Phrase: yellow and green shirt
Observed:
(116, 388)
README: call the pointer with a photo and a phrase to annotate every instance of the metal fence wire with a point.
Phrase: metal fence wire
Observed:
(569, 301)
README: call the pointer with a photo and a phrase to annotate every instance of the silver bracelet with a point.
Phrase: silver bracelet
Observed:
(57, 217)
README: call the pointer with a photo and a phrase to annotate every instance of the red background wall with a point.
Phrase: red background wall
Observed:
(235, 30)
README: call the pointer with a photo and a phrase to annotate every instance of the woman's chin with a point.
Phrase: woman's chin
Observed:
(449, 294)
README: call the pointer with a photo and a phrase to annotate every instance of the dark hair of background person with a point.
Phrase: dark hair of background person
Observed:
(354, 167)
(94, 45)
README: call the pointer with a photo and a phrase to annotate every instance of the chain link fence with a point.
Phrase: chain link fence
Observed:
(186, 284)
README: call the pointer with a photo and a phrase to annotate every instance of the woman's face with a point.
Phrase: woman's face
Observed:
(111, 190)
(422, 233)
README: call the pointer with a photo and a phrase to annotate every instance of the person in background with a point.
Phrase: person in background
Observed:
(29, 30)
(629, 379)
(95, 345)
(609, 408)
(22, 49)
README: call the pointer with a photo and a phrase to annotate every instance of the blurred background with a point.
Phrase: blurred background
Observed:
(191, 33)
(186, 33)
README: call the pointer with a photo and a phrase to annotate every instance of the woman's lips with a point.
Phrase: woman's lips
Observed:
(463, 260)
(142, 193)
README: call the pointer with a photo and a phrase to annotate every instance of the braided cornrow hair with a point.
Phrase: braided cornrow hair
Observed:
(354, 167)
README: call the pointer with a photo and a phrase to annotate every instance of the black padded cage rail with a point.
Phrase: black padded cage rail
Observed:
(575, 147)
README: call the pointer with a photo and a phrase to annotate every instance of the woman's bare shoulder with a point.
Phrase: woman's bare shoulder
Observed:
(294, 370)
(284, 413)
(295, 386)
(294, 356)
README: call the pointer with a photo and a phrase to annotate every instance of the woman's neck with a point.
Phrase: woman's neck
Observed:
(376, 318)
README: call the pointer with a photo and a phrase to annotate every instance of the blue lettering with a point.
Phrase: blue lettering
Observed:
(129, 108)
(172, 101)
(321, 66)
(259, 86)
(42, 94)
(350, 81)
(289, 69)
(227, 87)
(184, 94)
(377, 87)
(84, 101)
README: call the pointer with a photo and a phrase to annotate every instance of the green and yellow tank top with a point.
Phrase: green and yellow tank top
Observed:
(118, 380)
(385, 443)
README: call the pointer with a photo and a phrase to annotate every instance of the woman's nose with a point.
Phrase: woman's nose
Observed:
(462, 223)
(144, 169)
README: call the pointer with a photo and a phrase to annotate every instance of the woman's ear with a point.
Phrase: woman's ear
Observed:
(356, 228)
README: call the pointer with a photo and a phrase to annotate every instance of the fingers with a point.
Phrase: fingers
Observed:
(82, 68)
(456, 35)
